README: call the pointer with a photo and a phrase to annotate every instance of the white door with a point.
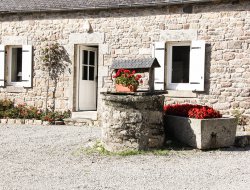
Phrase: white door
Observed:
(87, 90)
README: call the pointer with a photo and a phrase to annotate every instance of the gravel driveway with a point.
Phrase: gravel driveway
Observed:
(42, 157)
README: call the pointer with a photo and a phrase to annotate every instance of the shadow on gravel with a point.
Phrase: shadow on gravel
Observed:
(173, 144)
(241, 144)
(234, 148)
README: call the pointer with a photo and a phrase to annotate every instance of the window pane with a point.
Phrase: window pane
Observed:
(85, 57)
(16, 65)
(91, 73)
(92, 58)
(85, 73)
(180, 64)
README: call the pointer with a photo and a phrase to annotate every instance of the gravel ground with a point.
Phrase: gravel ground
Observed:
(43, 157)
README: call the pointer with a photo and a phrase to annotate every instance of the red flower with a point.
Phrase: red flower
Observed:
(192, 111)
(127, 78)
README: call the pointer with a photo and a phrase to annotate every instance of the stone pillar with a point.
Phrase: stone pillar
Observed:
(132, 121)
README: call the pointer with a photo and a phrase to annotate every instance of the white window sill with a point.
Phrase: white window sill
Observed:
(181, 94)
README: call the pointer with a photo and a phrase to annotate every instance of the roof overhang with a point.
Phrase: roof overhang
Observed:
(102, 6)
(145, 63)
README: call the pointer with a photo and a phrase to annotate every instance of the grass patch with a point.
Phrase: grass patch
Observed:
(161, 152)
(99, 149)
(129, 153)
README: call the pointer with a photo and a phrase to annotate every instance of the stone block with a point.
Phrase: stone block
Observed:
(103, 71)
(86, 38)
(154, 117)
(29, 121)
(45, 123)
(4, 121)
(14, 40)
(145, 51)
(202, 133)
(59, 123)
(178, 35)
(155, 142)
(37, 122)
(132, 122)
(20, 121)
(229, 56)
(234, 45)
(245, 104)
(104, 49)
(11, 121)
(222, 106)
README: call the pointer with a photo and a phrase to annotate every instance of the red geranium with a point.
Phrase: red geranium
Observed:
(192, 111)
(127, 77)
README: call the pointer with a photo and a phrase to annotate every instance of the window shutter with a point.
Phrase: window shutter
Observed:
(27, 65)
(197, 65)
(2, 64)
(159, 54)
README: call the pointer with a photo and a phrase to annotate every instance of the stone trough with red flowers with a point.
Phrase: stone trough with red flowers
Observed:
(199, 126)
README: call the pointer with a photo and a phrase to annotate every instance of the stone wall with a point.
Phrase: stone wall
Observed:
(132, 121)
(129, 33)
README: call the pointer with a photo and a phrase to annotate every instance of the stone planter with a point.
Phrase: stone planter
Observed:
(202, 133)
(132, 122)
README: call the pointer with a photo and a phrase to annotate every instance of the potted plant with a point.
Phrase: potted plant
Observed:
(127, 80)
(199, 126)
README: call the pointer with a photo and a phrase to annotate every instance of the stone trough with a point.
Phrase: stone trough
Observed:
(132, 121)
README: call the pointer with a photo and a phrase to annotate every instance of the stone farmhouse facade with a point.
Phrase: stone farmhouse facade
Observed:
(203, 47)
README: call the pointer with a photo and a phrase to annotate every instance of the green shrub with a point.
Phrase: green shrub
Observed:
(56, 116)
(6, 104)
(11, 113)
(22, 111)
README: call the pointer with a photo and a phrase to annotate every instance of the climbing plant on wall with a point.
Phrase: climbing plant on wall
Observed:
(55, 60)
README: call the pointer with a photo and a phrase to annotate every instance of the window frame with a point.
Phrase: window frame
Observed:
(9, 66)
(170, 85)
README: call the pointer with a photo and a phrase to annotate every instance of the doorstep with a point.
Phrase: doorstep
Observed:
(81, 122)
(84, 115)
(83, 118)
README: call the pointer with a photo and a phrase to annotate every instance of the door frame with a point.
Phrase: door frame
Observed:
(78, 53)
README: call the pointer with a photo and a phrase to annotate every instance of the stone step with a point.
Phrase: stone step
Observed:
(84, 115)
(81, 122)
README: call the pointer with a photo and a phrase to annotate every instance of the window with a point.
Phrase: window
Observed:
(182, 65)
(178, 65)
(16, 65)
(88, 65)
(179, 57)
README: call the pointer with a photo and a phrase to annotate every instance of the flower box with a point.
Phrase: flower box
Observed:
(202, 133)
(121, 88)
(126, 80)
